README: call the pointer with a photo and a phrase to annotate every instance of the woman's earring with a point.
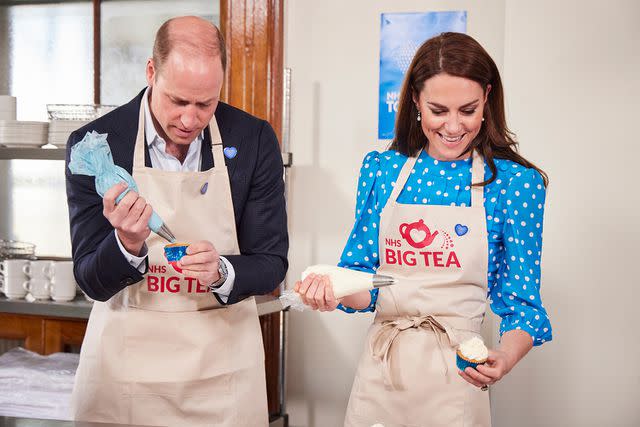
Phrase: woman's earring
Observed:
(420, 116)
(483, 119)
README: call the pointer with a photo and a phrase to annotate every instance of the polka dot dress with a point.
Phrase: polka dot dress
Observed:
(514, 204)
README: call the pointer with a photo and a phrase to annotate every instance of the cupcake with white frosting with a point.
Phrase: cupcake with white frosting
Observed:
(471, 353)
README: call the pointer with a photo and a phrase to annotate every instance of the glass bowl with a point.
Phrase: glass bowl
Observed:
(77, 111)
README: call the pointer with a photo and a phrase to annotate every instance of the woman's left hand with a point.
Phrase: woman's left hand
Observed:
(497, 366)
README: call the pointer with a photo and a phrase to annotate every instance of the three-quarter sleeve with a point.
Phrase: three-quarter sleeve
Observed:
(361, 250)
(514, 291)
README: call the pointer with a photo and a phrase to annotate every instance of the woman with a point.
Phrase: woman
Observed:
(454, 213)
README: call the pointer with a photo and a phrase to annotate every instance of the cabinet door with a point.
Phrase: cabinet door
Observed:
(63, 335)
(28, 330)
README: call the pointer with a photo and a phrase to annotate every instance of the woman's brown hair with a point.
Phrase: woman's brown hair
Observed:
(458, 55)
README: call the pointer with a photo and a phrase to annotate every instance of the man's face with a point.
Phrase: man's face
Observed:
(184, 95)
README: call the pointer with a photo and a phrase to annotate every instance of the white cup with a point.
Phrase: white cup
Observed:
(62, 270)
(13, 267)
(39, 269)
(38, 288)
(12, 286)
(63, 284)
(62, 291)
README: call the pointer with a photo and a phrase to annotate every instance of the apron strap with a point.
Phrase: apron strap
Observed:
(383, 339)
(403, 177)
(138, 152)
(214, 131)
(216, 144)
(477, 175)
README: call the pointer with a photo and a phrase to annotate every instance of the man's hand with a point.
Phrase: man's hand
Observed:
(201, 262)
(130, 217)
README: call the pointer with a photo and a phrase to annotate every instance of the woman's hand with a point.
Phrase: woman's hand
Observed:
(514, 345)
(497, 366)
(316, 291)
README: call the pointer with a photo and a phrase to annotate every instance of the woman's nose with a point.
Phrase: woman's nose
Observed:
(452, 126)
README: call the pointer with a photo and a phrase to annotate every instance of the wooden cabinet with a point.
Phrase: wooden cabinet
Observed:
(43, 335)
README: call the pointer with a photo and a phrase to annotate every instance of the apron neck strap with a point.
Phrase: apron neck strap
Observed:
(477, 175)
(216, 142)
(403, 177)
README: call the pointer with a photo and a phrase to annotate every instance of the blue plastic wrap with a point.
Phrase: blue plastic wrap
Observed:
(92, 157)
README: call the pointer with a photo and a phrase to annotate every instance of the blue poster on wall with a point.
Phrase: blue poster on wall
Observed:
(401, 34)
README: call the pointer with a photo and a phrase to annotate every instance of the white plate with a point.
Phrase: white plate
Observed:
(27, 145)
(18, 124)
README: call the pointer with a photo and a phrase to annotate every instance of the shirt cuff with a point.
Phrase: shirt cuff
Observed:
(225, 289)
(136, 262)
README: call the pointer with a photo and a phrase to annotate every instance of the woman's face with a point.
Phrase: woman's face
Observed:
(452, 110)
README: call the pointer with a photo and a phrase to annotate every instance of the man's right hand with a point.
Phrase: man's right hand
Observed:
(130, 217)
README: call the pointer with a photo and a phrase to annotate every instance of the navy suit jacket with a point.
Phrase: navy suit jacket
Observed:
(257, 191)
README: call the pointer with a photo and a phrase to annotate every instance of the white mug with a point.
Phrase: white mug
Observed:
(13, 267)
(62, 289)
(38, 288)
(12, 287)
(62, 270)
(63, 286)
(39, 269)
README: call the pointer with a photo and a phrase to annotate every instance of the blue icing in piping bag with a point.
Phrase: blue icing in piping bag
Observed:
(92, 157)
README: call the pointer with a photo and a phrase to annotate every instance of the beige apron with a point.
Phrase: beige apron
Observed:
(407, 375)
(163, 352)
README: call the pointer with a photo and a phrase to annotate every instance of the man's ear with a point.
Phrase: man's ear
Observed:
(151, 72)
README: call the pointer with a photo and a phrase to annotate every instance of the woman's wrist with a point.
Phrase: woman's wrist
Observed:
(357, 301)
(515, 344)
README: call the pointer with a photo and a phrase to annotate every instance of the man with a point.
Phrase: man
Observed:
(165, 347)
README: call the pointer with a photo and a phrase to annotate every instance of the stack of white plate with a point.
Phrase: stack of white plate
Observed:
(7, 107)
(59, 130)
(15, 133)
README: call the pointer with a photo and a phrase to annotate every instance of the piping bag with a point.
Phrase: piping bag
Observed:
(344, 281)
(92, 157)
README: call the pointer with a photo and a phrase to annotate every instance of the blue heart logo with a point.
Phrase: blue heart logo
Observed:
(230, 152)
(461, 230)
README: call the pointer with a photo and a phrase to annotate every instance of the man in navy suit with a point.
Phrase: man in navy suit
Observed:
(256, 187)
(183, 129)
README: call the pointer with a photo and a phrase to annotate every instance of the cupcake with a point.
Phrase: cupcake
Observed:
(471, 353)
(174, 253)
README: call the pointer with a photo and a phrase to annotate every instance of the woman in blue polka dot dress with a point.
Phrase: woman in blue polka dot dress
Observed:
(455, 214)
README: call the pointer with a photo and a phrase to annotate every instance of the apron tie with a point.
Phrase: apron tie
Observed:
(383, 340)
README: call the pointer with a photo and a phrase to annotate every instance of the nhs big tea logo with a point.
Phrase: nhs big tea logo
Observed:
(421, 246)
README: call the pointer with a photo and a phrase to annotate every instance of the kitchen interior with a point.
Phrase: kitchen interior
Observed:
(62, 64)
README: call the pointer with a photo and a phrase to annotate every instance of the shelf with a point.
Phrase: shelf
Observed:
(80, 308)
(59, 154)
(32, 153)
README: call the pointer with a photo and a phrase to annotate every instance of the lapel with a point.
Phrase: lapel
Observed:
(228, 140)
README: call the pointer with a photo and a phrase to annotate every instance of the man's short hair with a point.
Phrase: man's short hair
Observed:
(166, 41)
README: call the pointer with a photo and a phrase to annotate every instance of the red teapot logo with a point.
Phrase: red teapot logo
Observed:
(417, 234)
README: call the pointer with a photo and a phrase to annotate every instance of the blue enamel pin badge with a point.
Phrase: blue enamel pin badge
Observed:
(230, 152)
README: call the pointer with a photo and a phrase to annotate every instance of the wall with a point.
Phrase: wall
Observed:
(571, 75)
(572, 83)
